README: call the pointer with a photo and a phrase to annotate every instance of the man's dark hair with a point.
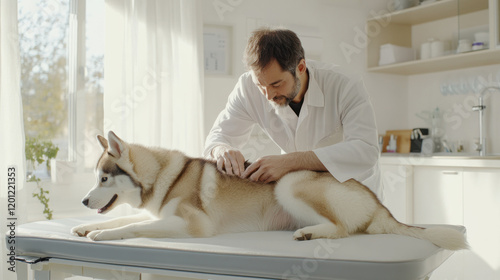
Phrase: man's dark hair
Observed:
(267, 44)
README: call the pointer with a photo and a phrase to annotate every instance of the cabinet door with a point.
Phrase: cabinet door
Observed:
(482, 220)
(437, 195)
(438, 199)
(396, 180)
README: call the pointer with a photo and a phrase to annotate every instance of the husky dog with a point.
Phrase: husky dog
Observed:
(189, 197)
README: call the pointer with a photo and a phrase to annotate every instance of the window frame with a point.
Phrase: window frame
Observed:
(76, 78)
(69, 175)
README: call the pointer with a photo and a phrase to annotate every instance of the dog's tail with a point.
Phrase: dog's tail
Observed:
(441, 236)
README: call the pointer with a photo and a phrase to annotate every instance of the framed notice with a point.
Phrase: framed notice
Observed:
(497, 25)
(217, 41)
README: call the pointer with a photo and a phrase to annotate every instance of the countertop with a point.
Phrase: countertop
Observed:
(444, 160)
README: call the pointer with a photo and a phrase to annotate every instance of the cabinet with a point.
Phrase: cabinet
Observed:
(495, 21)
(438, 195)
(443, 19)
(482, 220)
(438, 199)
(397, 184)
(467, 196)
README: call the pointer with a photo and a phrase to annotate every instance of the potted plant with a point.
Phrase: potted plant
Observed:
(37, 153)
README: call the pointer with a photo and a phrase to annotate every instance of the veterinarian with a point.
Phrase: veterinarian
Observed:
(321, 119)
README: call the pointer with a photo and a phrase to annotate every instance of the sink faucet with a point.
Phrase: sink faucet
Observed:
(481, 147)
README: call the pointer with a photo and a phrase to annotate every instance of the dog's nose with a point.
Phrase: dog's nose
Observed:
(85, 202)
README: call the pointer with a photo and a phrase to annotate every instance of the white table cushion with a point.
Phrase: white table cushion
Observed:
(258, 254)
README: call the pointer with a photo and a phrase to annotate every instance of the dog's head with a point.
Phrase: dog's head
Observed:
(115, 177)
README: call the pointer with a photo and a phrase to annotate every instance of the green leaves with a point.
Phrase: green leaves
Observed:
(45, 201)
(38, 150)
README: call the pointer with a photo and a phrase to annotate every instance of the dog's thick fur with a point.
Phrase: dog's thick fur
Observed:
(189, 197)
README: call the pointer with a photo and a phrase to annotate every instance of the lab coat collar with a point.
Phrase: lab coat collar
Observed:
(314, 96)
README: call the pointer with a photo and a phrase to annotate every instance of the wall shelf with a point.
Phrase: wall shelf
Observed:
(435, 11)
(443, 63)
(411, 27)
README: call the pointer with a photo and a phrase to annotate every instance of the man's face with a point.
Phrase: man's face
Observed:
(280, 87)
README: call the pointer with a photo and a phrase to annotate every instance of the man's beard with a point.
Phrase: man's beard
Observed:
(275, 102)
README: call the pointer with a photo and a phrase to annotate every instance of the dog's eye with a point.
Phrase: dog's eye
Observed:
(104, 179)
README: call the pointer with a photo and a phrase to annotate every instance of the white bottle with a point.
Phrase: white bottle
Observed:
(391, 148)
(425, 49)
(437, 48)
(464, 45)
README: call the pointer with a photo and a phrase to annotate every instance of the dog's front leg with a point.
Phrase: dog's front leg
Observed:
(85, 229)
(172, 226)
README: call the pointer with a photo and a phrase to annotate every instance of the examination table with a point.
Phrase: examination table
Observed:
(52, 252)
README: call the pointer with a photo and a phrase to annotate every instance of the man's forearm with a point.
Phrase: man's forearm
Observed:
(305, 161)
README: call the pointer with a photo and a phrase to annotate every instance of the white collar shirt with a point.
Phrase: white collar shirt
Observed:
(336, 122)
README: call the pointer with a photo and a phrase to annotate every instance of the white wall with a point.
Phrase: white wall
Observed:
(334, 21)
(396, 99)
(461, 123)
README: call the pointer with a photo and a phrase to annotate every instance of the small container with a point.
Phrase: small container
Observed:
(477, 46)
(403, 4)
(392, 54)
(460, 146)
(464, 45)
(391, 148)
(482, 37)
(425, 50)
(428, 146)
(437, 48)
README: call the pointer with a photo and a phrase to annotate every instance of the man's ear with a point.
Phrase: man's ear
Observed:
(301, 67)
(102, 141)
(116, 145)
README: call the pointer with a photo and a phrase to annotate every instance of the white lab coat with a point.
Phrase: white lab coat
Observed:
(336, 121)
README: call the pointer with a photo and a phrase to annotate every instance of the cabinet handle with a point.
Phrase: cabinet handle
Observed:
(450, 172)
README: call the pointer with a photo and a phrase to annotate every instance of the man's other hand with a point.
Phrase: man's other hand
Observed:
(269, 168)
(230, 161)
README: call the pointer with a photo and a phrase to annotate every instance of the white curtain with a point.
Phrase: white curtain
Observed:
(11, 128)
(154, 73)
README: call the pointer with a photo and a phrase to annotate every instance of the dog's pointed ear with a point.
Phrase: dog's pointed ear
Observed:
(116, 145)
(102, 141)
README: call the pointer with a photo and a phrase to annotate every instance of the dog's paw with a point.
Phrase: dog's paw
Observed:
(101, 235)
(82, 230)
(301, 235)
(94, 235)
(326, 230)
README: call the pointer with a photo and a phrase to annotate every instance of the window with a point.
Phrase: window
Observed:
(43, 51)
(62, 52)
(62, 76)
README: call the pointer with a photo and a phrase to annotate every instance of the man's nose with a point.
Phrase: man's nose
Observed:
(269, 94)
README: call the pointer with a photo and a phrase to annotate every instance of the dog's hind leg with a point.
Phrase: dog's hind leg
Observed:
(306, 200)
(325, 230)
(198, 223)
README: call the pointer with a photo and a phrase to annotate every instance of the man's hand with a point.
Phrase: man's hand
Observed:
(271, 168)
(268, 169)
(229, 161)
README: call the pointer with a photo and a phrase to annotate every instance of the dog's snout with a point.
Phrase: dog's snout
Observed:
(85, 202)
